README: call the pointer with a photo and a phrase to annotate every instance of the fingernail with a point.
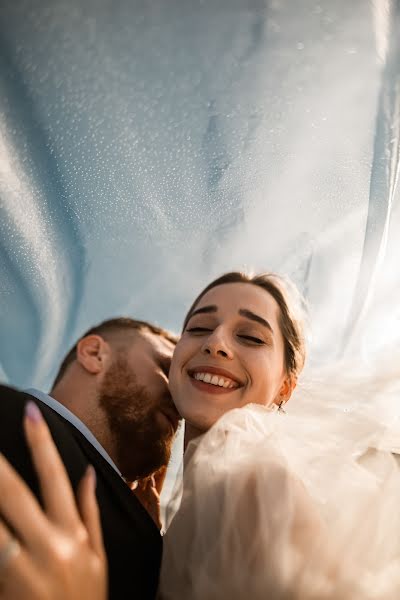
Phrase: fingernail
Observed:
(33, 413)
(91, 473)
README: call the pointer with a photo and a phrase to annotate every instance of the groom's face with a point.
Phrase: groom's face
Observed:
(135, 397)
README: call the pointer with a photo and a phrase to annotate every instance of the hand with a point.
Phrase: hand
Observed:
(56, 554)
(148, 492)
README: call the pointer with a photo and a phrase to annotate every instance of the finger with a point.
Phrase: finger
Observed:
(9, 549)
(55, 486)
(89, 510)
(142, 485)
(159, 478)
(153, 491)
(153, 488)
(17, 573)
(20, 509)
(147, 490)
(148, 496)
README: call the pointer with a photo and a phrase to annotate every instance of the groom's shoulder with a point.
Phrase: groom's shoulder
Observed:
(12, 439)
(12, 406)
(8, 393)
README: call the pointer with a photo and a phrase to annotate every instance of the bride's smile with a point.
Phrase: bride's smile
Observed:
(213, 379)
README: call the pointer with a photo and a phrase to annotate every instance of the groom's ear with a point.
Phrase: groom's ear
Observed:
(92, 353)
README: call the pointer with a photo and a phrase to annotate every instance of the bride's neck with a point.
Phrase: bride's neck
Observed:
(191, 433)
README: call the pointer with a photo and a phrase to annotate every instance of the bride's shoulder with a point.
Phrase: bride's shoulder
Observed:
(236, 451)
(237, 429)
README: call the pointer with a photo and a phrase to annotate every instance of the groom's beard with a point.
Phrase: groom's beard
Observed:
(140, 444)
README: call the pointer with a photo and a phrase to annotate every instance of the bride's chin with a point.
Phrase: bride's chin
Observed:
(202, 421)
(200, 413)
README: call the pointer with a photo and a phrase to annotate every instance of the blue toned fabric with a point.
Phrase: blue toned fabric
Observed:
(147, 147)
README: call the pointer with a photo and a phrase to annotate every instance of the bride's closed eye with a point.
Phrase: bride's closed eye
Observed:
(252, 339)
(243, 337)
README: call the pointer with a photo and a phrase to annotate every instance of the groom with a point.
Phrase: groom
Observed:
(109, 406)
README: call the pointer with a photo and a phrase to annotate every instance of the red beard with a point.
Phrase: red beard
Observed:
(141, 445)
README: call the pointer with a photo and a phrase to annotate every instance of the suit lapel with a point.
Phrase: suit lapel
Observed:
(118, 489)
(111, 478)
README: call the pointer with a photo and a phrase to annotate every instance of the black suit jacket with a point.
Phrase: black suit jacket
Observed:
(132, 541)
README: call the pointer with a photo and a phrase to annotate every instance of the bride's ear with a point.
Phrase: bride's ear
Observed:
(286, 390)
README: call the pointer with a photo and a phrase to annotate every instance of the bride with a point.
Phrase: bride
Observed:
(297, 505)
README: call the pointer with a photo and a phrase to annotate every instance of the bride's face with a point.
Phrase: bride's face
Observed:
(231, 353)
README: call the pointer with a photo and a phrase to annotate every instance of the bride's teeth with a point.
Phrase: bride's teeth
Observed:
(215, 380)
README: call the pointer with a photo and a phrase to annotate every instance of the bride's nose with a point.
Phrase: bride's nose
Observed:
(217, 345)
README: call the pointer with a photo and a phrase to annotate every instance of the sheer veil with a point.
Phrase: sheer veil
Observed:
(295, 506)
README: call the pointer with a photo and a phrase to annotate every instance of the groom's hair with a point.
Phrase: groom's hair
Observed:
(111, 326)
(291, 305)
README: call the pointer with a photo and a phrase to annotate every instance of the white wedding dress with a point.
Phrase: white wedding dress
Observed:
(296, 506)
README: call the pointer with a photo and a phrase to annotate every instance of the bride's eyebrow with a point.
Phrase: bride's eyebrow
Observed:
(253, 317)
(212, 308)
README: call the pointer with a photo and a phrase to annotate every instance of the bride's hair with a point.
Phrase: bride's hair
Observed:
(291, 318)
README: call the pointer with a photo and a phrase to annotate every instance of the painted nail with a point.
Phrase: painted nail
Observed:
(33, 413)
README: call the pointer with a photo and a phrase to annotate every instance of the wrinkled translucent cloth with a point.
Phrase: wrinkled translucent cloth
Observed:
(304, 505)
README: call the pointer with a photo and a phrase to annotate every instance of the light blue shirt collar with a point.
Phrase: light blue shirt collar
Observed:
(73, 419)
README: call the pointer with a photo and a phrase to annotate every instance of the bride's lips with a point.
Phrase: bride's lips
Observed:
(212, 388)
